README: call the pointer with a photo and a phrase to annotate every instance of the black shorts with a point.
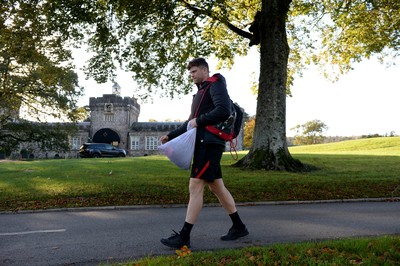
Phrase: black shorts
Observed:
(207, 162)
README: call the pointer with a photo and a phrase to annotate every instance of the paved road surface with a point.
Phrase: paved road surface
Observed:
(90, 237)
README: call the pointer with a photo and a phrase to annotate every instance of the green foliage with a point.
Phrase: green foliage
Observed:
(339, 33)
(36, 77)
(81, 113)
(45, 136)
(35, 67)
(310, 133)
(154, 39)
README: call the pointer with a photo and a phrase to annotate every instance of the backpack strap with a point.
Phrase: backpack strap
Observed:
(201, 100)
(212, 79)
(233, 147)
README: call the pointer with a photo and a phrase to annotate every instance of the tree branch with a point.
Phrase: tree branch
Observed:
(198, 11)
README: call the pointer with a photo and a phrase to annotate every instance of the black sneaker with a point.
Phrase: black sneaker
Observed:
(234, 233)
(175, 241)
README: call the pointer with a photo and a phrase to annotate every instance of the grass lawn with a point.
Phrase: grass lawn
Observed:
(362, 251)
(346, 172)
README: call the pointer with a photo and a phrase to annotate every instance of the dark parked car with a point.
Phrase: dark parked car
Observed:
(96, 150)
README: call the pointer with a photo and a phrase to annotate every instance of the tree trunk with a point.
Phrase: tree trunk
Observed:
(269, 148)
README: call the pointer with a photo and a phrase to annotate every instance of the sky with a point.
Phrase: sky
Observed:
(365, 101)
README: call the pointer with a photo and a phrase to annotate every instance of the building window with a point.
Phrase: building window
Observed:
(75, 143)
(108, 107)
(151, 143)
(135, 142)
(108, 117)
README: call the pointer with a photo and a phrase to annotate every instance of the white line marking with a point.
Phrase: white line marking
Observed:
(33, 232)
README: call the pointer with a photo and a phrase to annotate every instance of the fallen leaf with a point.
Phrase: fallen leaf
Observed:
(356, 262)
(183, 252)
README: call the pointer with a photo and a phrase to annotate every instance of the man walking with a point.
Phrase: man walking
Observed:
(211, 105)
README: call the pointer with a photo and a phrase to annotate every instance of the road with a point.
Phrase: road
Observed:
(88, 237)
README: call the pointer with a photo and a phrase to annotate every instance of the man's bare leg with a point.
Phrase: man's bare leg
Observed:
(196, 190)
(223, 195)
(238, 229)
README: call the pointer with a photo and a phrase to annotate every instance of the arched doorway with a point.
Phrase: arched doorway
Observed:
(106, 135)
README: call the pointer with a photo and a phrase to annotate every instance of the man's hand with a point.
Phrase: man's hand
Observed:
(164, 139)
(193, 123)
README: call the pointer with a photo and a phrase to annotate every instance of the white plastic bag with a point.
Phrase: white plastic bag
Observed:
(180, 149)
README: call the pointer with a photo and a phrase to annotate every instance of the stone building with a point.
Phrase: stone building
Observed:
(114, 120)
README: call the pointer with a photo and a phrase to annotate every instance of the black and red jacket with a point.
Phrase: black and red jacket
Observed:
(211, 105)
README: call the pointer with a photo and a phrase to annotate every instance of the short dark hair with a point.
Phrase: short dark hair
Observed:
(197, 62)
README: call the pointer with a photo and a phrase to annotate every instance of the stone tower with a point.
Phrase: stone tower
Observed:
(112, 116)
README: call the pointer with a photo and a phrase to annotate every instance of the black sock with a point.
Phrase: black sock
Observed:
(237, 222)
(185, 232)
